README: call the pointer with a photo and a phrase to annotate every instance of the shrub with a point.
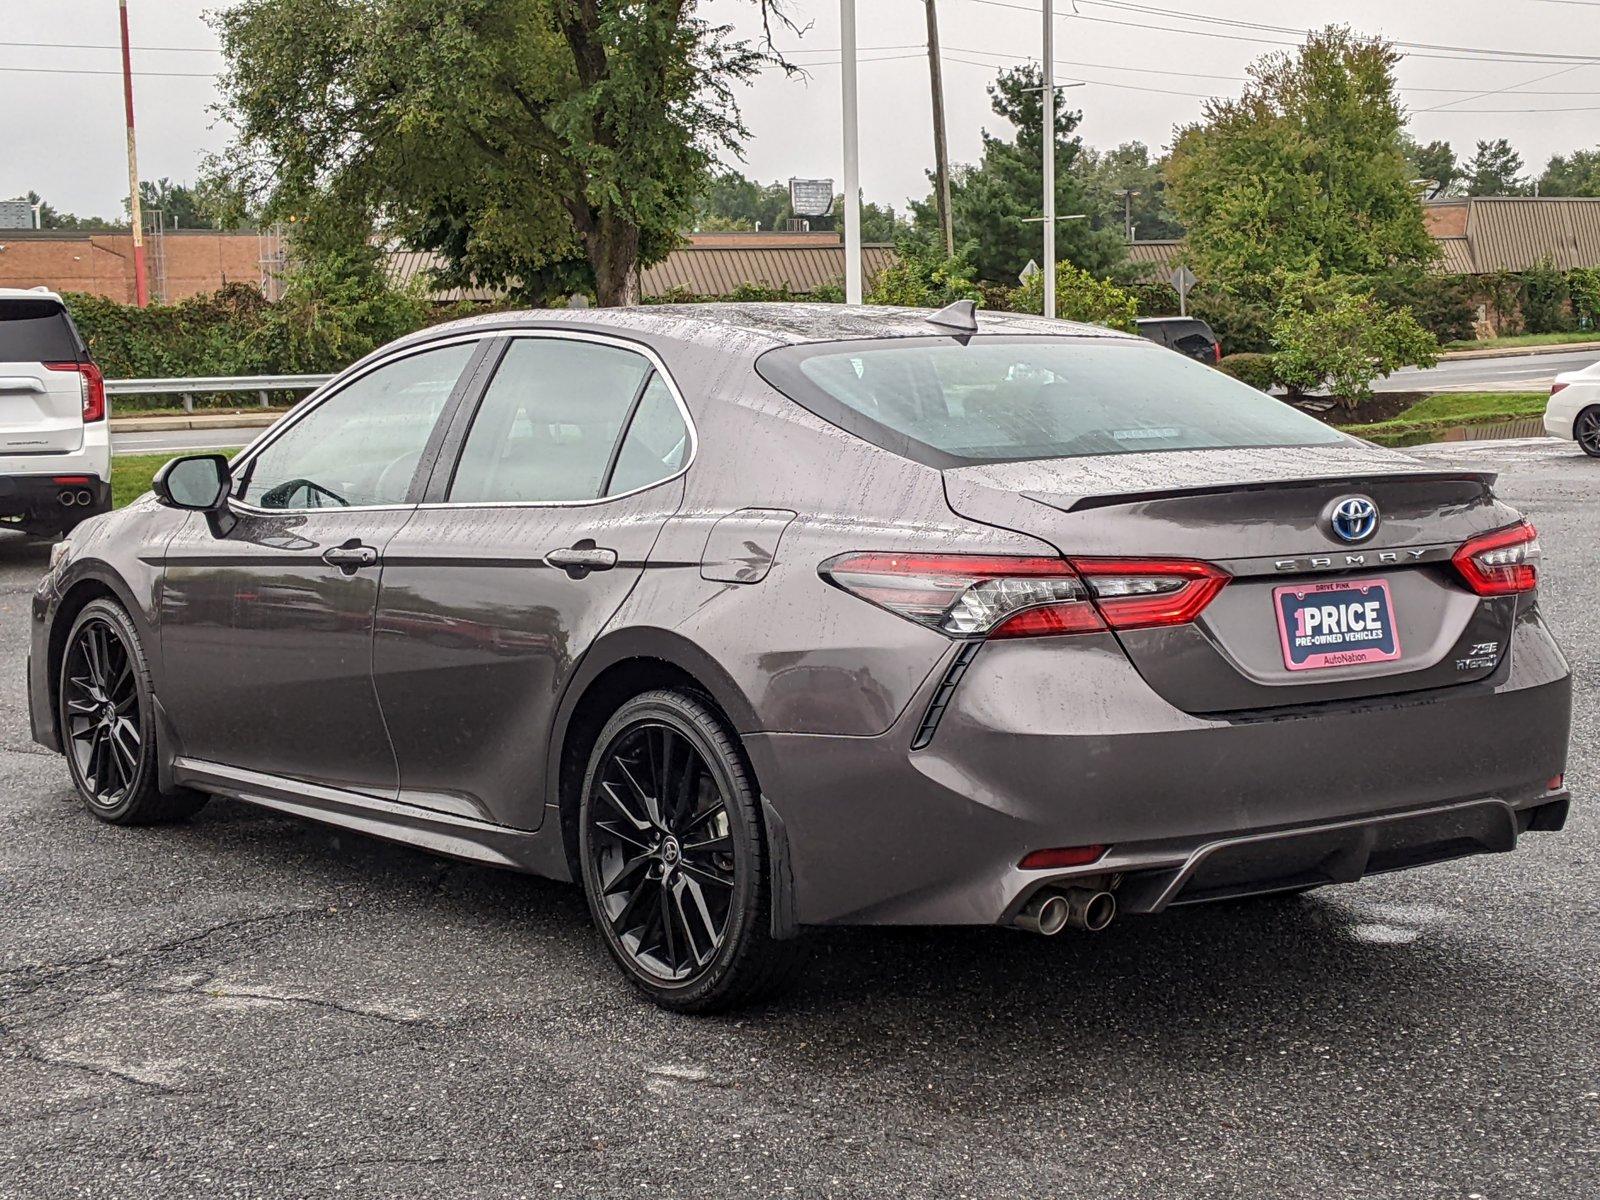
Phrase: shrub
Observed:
(1081, 297)
(1584, 284)
(1255, 369)
(1344, 340)
(1546, 300)
(922, 278)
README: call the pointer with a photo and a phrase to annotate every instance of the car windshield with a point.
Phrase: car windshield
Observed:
(997, 399)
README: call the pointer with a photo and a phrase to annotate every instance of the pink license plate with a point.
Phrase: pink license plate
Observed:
(1341, 623)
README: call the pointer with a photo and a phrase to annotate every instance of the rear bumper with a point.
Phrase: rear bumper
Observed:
(1041, 748)
(40, 497)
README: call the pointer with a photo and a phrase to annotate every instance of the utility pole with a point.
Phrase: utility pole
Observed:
(141, 282)
(852, 154)
(941, 154)
(1048, 100)
(1127, 195)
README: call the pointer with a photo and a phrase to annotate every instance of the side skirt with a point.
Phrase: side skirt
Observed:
(439, 833)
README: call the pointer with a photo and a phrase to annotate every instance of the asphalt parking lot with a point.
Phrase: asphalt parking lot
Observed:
(250, 1006)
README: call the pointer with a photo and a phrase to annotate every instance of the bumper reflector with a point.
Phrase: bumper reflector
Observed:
(1064, 856)
(1557, 782)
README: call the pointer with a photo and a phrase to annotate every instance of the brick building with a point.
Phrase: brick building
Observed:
(180, 263)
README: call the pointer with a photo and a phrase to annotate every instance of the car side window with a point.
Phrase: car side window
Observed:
(548, 422)
(656, 444)
(361, 445)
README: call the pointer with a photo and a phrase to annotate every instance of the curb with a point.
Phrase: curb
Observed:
(1520, 351)
(167, 424)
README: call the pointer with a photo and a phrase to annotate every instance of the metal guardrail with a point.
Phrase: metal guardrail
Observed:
(192, 386)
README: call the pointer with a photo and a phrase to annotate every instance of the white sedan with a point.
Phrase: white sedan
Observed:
(1574, 409)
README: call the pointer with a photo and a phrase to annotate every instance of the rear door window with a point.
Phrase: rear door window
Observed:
(996, 399)
(36, 331)
(548, 424)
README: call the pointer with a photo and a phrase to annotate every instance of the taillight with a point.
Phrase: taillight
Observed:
(969, 595)
(1144, 593)
(91, 383)
(1501, 563)
(1216, 347)
(997, 596)
(1554, 387)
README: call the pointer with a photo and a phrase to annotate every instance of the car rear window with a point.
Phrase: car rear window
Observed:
(36, 331)
(1181, 327)
(998, 399)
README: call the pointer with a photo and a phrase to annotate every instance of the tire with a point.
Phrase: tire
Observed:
(1586, 431)
(107, 722)
(656, 899)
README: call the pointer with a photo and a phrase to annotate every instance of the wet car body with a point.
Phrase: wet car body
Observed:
(448, 698)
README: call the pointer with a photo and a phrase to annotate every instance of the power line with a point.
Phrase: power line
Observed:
(1094, 66)
(98, 46)
(87, 71)
(1413, 49)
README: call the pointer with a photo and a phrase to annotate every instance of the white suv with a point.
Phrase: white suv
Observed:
(55, 447)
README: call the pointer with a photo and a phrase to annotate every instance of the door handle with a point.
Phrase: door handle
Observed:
(577, 561)
(350, 557)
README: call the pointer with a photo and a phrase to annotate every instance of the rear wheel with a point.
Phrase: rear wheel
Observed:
(1586, 429)
(674, 858)
(107, 722)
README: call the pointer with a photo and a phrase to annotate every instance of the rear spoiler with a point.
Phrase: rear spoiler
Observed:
(1083, 503)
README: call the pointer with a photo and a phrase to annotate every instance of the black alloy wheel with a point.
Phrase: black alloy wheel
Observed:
(673, 857)
(104, 722)
(107, 723)
(1587, 430)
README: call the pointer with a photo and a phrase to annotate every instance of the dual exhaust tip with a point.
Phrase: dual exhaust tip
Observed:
(72, 497)
(1049, 912)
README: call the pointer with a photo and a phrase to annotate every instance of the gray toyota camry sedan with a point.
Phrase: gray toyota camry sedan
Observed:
(757, 617)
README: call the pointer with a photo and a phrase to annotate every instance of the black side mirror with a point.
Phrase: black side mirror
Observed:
(198, 482)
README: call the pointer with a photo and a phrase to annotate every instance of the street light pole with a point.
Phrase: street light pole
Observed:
(852, 155)
(141, 283)
(1048, 100)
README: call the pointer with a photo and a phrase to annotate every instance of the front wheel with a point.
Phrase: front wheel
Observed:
(1586, 429)
(107, 722)
(674, 858)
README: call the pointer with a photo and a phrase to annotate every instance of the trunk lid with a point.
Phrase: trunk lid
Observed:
(1263, 515)
(41, 410)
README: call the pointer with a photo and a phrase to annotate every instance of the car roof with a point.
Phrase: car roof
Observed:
(33, 293)
(1170, 321)
(755, 328)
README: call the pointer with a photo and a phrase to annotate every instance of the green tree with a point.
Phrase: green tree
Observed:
(991, 202)
(51, 217)
(1435, 161)
(1575, 174)
(1305, 171)
(1106, 174)
(732, 202)
(178, 203)
(1495, 170)
(545, 146)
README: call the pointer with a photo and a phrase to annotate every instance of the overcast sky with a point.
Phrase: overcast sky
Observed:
(61, 133)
